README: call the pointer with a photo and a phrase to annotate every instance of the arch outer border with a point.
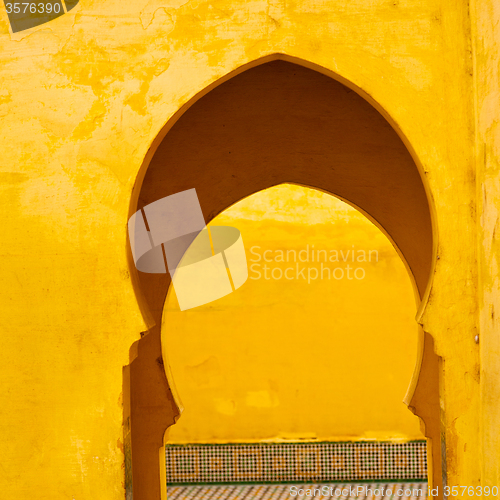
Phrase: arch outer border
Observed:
(276, 56)
(169, 122)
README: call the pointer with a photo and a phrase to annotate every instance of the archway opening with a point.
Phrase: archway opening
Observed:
(279, 123)
(309, 360)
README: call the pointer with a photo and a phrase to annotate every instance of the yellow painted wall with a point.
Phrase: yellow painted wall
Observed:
(298, 358)
(486, 50)
(83, 98)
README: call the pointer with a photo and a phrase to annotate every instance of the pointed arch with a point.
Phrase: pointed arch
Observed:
(279, 119)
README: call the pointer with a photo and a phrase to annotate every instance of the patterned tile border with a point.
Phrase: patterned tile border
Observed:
(295, 462)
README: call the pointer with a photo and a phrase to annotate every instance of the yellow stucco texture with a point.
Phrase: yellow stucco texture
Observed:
(486, 30)
(319, 344)
(82, 100)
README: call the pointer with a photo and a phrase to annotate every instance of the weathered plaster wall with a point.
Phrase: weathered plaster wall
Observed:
(487, 85)
(81, 101)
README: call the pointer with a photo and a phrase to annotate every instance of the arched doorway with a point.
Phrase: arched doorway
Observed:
(274, 123)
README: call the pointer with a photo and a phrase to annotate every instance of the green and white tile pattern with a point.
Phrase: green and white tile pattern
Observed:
(296, 462)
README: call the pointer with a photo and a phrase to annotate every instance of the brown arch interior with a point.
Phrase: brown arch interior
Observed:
(277, 122)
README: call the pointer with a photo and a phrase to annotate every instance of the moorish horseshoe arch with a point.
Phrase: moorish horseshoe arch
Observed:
(277, 119)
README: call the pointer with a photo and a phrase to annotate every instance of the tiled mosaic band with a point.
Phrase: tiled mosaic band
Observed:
(293, 462)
